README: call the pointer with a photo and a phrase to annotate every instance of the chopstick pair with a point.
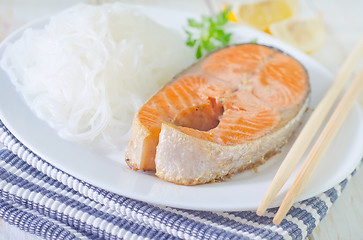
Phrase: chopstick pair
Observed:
(309, 131)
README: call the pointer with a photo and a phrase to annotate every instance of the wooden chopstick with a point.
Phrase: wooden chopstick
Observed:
(311, 127)
(321, 146)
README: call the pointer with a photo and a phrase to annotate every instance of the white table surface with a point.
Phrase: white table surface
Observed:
(344, 24)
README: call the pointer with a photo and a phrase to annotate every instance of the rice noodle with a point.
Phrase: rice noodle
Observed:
(91, 68)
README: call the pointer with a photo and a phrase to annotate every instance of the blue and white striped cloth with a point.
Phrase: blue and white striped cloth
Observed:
(43, 200)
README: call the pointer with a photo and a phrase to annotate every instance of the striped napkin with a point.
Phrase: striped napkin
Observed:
(43, 200)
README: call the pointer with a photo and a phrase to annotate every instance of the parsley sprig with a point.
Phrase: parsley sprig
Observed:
(209, 34)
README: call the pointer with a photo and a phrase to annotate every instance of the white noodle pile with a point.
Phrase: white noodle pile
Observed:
(91, 68)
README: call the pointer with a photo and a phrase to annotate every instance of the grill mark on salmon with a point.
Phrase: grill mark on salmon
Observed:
(223, 114)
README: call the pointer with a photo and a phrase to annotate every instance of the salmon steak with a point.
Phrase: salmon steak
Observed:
(228, 112)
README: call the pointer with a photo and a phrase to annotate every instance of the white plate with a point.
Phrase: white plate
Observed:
(243, 192)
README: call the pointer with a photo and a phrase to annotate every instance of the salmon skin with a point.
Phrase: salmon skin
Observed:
(228, 112)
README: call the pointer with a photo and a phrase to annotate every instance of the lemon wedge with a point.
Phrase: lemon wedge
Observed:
(305, 33)
(262, 14)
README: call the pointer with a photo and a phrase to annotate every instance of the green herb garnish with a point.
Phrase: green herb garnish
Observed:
(254, 40)
(208, 35)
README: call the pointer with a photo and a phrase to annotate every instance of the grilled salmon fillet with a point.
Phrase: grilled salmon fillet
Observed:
(228, 112)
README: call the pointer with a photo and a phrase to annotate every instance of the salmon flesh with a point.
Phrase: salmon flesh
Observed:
(228, 112)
